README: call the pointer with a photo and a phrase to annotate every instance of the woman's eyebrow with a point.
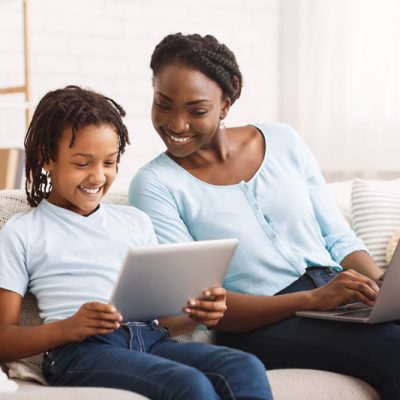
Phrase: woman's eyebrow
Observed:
(190, 103)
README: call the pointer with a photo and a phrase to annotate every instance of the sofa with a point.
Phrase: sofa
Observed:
(360, 202)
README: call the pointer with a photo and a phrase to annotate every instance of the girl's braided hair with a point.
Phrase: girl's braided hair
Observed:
(71, 107)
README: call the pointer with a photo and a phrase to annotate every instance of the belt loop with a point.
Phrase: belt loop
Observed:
(154, 324)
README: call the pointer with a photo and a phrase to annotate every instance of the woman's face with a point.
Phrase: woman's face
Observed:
(187, 109)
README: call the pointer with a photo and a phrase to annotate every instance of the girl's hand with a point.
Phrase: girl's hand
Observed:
(347, 287)
(92, 319)
(210, 309)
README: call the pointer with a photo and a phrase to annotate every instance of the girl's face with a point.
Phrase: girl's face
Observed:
(81, 175)
(187, 109)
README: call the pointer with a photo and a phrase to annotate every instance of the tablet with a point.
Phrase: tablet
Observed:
(157, 281)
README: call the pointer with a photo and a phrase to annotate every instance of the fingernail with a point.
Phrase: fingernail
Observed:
(187, 310)
(207, 293)
(120, 318)
(192, 303)
(112, 309)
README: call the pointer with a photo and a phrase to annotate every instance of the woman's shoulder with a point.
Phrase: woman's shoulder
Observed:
(277, 131)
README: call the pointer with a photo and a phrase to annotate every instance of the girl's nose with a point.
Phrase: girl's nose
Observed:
(97, 176)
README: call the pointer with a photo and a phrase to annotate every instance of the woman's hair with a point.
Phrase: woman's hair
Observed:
(71, 107)
(203, 53)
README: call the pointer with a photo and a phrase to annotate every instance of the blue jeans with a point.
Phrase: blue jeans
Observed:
(140, 357)
(368, 352)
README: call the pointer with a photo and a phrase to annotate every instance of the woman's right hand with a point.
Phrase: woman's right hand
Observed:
(346, 287)
(92, 318)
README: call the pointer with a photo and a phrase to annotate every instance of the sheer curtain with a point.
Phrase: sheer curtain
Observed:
(341, 82)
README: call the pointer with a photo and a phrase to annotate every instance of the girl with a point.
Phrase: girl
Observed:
(67, 252)
(261, 184)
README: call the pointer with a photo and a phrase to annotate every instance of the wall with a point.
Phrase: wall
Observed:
(106, 45)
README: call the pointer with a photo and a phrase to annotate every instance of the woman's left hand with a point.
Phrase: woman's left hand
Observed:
(209, 309)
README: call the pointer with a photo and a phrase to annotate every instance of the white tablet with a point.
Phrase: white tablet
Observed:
(157, 281)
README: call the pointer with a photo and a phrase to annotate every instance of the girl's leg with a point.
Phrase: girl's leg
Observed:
(234, 374)
(110, 361)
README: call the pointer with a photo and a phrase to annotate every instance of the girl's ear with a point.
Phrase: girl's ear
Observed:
(48, 166)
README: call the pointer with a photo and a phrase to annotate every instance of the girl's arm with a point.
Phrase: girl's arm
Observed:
(207, 311)
(20, 342)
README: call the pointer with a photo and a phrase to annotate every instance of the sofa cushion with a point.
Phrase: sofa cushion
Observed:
(376, 214)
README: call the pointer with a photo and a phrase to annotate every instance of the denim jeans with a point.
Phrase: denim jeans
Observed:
(140, 357)
(368, 352)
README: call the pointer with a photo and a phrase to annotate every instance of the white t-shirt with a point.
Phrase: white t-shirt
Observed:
(66, 259)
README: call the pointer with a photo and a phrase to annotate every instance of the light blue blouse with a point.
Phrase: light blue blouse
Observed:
(284, 216)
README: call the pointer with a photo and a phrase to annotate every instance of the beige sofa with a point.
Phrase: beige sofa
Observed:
(287, 384)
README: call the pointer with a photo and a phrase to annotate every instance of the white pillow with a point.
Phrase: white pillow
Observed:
(376, 214)
(7, 385)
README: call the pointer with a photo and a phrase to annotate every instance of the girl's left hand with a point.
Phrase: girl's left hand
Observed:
(209, 309)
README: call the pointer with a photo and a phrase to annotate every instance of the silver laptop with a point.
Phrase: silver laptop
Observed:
(386, 307)
(157, 281)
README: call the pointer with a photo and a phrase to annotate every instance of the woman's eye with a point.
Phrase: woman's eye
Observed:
(109, 163)
(199, 113)
(162, 107)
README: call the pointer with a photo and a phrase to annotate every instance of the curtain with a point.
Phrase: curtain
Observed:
(341, 82)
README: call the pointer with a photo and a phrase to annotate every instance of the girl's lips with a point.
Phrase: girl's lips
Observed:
(88, 190)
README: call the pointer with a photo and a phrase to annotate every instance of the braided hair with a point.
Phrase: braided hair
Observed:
(71, 107)
(203, 53)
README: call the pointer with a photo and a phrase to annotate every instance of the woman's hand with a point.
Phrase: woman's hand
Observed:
(347, 287)
(92, 319)
(209, 309)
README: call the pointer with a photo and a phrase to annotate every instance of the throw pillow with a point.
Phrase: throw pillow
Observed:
(376, 214)
(394, 241)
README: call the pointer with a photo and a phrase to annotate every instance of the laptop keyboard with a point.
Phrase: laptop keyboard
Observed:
(356, 313)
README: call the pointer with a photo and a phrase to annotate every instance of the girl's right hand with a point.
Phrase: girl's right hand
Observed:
(346, 287)
(92, 318)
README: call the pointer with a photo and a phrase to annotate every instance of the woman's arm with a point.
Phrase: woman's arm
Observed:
(20, 342)
(247, 312)
(363, 263)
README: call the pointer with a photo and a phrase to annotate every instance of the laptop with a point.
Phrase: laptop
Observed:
(157, 281)
(386, 307)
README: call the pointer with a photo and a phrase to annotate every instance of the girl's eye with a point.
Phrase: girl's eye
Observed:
(81, 165)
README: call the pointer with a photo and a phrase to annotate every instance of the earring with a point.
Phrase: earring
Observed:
(221, 125)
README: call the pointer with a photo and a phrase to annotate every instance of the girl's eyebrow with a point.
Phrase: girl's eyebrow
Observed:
(189, 103)
(88, 155)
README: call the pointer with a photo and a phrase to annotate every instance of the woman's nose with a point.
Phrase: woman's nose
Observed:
(178, 125)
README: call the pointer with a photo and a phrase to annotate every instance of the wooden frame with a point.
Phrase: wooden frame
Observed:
(26, 87)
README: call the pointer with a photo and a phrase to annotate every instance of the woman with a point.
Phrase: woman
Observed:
(260, 184)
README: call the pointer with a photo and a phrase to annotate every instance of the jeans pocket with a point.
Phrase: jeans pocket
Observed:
(57, 360)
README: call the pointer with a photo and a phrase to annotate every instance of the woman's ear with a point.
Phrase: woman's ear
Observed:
(226, 105)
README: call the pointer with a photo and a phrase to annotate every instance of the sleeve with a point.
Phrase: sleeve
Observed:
(147, 193)
(340, 239)
(13, 271)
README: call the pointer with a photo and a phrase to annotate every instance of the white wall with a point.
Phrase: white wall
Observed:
(106, 45)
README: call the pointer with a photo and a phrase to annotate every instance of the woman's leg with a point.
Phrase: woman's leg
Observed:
(234, 374)
(111, 361)
(368, 352)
